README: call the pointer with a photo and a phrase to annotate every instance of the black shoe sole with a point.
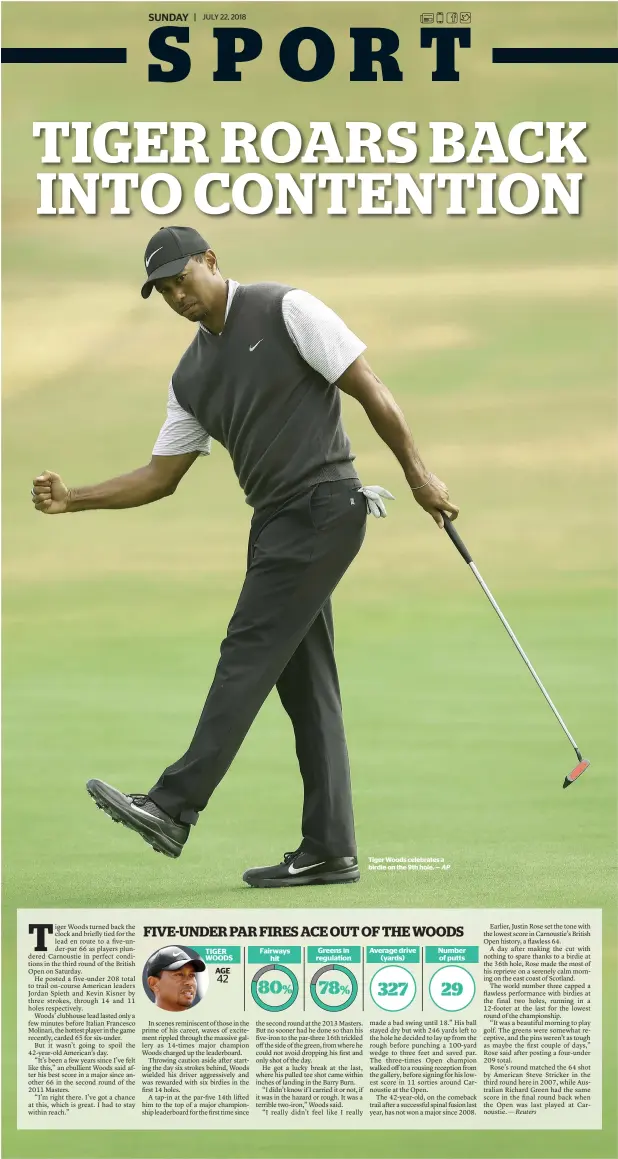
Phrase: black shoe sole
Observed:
(347, 877)
(124, 816)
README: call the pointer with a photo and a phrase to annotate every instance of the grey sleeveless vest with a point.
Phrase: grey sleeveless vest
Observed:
(251, 391)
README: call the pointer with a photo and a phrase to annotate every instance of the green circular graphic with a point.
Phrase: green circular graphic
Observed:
(452, 988)
(393, 988)
(335, 987)
(260, 990)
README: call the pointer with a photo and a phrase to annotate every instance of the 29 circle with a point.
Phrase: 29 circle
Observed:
(452, 988)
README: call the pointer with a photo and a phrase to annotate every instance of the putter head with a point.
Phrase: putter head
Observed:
(575, 773)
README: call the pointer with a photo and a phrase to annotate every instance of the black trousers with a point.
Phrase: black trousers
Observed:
(282, 633)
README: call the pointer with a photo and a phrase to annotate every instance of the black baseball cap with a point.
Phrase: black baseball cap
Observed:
(172, 246)
(172, 958)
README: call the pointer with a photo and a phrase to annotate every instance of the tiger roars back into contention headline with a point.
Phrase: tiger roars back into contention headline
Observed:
(527, 143)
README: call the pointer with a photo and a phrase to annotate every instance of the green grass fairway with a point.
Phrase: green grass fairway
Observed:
(498, 338)
(454, 753)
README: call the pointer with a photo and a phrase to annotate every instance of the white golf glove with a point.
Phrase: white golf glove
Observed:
(373, 497)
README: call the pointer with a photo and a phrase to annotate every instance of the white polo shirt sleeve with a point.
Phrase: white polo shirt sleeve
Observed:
(181, 433)
(320, 335)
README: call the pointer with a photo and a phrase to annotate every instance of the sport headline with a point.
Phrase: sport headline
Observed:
(304, 932)
(402, 191)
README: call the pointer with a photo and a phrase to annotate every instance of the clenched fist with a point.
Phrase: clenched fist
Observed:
(49, 494)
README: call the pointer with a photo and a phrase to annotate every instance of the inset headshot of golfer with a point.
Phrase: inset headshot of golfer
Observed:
(171, 978)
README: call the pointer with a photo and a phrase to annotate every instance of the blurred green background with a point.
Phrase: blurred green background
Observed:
(497, 337)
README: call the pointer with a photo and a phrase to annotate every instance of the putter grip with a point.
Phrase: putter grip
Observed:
(457, 540)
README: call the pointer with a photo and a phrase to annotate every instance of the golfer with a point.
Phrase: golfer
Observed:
(262, 376)
(172, 978)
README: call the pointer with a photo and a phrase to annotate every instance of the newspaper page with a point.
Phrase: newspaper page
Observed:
(349, 1021)
(309, 314)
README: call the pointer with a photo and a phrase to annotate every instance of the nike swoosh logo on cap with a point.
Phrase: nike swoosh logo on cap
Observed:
(252, 348)
(304, 868)
(148, 260)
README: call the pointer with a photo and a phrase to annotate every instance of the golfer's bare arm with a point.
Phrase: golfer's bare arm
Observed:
(388, 420)
(160, 477)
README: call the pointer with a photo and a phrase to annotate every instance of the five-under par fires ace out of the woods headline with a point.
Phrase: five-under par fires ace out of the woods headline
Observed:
(328, 184)
(42, 929)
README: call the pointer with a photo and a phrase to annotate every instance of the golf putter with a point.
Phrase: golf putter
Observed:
(463, 551)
